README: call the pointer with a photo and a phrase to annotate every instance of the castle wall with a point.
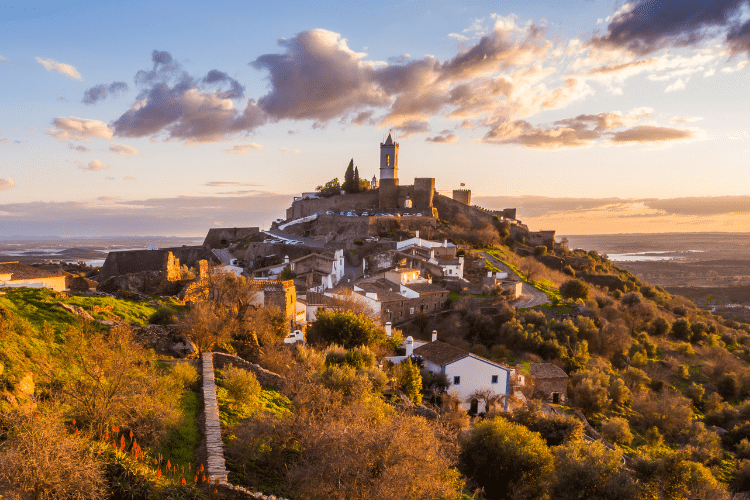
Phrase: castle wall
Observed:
(367, 200)
(424, 191)
(221, 237)
(449, 209)
(389, 194)
(137, 261)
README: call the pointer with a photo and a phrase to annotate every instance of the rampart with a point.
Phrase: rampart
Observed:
(367, 200)
(222, 237)
(138, 261)
(462, 195)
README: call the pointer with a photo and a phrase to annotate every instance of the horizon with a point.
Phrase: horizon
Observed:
(588, 118)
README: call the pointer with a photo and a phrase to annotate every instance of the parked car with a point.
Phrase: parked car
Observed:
(329, 212)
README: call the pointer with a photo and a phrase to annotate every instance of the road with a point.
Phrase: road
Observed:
(306, 241)
(530, 296)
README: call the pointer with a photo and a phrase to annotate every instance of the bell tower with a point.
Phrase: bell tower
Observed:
(388, 189)
(389, 158)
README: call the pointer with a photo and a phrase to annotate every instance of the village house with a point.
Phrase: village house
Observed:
(316, 271)
(467, 373)
(396, 295)
(550, 382)
(15, 274)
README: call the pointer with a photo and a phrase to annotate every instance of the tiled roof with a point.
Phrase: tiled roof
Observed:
(440, 353)
(424, 288)
(25, 272)
(383, 289)
(546, 370)
(319, 299)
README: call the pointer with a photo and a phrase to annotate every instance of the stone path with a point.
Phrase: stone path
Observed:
(215, 446)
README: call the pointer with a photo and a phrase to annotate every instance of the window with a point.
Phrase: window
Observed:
(494, 379)
(387, 160)
(456, 380)
(411, 311)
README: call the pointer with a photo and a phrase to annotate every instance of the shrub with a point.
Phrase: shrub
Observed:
(617, 430)
(42, 457)
(185, 375)
(503, 457)
(344, 328)
(540, 250)
(659, 326)
(241, 385)
(574, 290)
(164, 315)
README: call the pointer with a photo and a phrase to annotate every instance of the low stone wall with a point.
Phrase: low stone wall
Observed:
(265, 377)
(216, 470)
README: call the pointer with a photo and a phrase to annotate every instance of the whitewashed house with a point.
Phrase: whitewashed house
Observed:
(467, 373)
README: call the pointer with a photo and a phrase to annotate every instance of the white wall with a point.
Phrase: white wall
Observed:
(475, 374)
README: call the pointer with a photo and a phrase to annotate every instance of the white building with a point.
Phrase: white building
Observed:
(467, 373)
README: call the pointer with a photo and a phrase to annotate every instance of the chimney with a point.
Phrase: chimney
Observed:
(286, 259)
(445, 243)
(434, 335)
(388, 329)
(432, 254)
(489, 274)
(409, 346)
(417, 234)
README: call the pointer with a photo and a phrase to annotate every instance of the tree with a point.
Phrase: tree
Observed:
(331, 188)
(589, 470)
(349, 185)
(681, 329)
(410, 381)
(344, 328)
(504, 457)
(574, 290)
(357, 181)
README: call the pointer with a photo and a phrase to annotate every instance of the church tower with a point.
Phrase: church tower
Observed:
(388, 189)
(389, 159)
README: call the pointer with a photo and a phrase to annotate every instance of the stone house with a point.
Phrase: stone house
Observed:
(316, 271)
(550, 382)
(15, 274)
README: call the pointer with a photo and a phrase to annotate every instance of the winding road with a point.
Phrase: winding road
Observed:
(530, 296)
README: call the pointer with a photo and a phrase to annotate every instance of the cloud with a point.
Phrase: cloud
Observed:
(3, 59)
(523, 133)
(444, 137)
(122, 149)
(79, 129)
(6, 183)
(650, 133)
(686, 119)
(102, 91)
(456, 36)
(65, 69)
(318, 77)
(287, 151)
(232, 183)
(702, 205)
(128, 178)
(79, 148)
(108, 198)
(646, 26)
(94, 166)
(413, 127)
(184, 108)
(679, 84)
(241, 149)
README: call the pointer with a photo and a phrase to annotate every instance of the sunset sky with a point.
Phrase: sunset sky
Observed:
(167, 118)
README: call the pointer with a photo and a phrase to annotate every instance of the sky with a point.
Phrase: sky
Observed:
(168, 118)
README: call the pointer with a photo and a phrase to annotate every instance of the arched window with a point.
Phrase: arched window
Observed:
(387, 160)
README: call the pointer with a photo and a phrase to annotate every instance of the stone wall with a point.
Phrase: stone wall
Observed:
(222, 237)
(462, 195)
(424, 192)
(359, 201)
(137, 261)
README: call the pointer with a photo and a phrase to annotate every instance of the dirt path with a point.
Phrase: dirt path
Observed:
(530, 296)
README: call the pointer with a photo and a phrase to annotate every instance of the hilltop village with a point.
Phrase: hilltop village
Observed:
(382, 340)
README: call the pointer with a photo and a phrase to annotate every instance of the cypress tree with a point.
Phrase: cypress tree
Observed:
(356, 180)
(349, 177)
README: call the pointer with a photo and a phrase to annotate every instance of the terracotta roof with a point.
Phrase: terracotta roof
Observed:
(440, 353)
(25, 272)
(424, 288)
(319, 299)
(383, 290)
(546, 370)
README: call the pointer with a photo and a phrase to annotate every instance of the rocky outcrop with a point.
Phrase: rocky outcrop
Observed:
(166, 340)
(78, 311)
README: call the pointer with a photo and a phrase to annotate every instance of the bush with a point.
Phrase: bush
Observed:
(540, 250)
(574, 290)
(185, 375)
(241, 385)
(344, 328)
(164, 315)
(503, 457)
(659, 326)
(617, 430)
(42, 457)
